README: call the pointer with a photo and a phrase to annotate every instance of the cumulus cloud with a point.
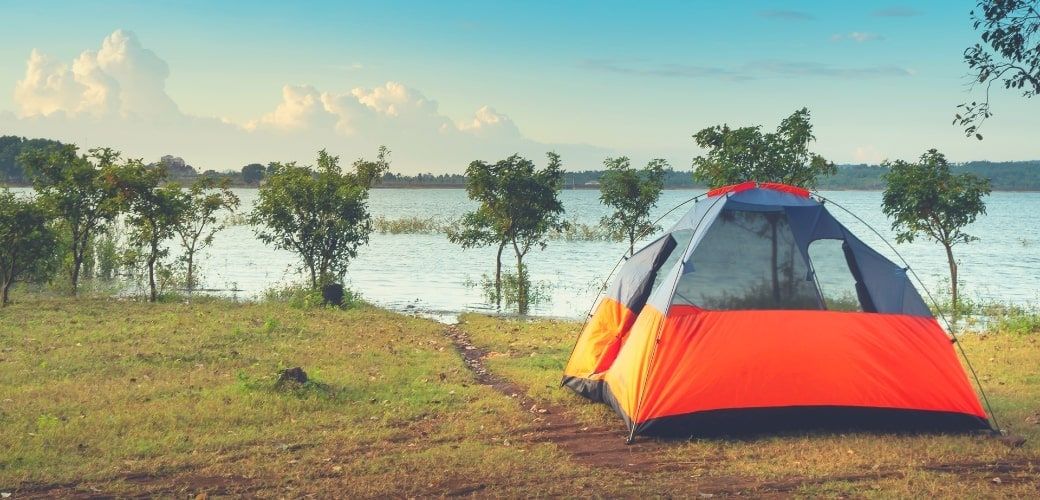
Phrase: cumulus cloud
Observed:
(116, 96)
(867, 154)
(122, 77)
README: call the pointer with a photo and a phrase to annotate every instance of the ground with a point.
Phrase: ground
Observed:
(108, 397)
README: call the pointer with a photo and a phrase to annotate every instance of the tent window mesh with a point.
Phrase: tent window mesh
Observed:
(836, 282)
(748, 260)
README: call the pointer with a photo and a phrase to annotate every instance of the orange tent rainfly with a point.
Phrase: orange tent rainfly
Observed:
(759, 312)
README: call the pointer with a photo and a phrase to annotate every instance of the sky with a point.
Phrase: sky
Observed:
(223, 84)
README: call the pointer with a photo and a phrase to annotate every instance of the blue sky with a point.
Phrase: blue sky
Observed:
(882, 79)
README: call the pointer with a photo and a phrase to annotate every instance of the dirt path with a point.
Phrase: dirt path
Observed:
(605, 447)
(595, 446)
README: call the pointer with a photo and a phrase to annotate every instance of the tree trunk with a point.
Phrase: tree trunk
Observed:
(498, 275)
(191, 271)
(631, 242)
(521, 281)
(7, 287)
(314, 276)
(953, 281)
(151, 277)
(77, 261)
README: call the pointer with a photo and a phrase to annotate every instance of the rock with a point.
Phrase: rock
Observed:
(294, 375)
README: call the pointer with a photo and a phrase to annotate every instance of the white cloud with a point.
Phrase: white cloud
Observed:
(116, 96)
(488, 122)
(867, 154)
(121, 78)
(856, 36)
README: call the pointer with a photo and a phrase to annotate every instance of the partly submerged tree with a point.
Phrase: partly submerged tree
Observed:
(198, 223)
(1009, 54)
(519, 207)
(153, 212)
(81, 189)
(632, 194)
(924, 198)
(319, 213)
(27, 241)
(747, 154)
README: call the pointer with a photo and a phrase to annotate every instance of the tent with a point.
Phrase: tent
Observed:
(759, 312)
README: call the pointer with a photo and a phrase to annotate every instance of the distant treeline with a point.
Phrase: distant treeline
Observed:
(1004, 176)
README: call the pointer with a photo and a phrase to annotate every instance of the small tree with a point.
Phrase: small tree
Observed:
(632, 194)
(253, 173)
(321, 214)
(519, 206)
(746, 154)
(924, 198)
(1011, 33)
(154, 210)
(198, 222)
(78, 188)
(26, 241)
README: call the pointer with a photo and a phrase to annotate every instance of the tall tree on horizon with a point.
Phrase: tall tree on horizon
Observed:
(736, 155)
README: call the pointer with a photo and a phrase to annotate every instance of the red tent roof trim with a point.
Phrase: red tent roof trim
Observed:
(774, 186)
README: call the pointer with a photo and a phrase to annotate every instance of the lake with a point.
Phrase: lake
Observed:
(424, 273)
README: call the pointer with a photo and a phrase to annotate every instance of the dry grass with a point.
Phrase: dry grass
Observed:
(533, 353)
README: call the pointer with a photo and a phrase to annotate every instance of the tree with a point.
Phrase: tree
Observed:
(253, 173)
(519, 206)
(78, 188)
(319, 213)
(925, 198)
(632, 194)
(198, 222)
(1011, 33)
(746, 154)
(153, 212)
(26, 241)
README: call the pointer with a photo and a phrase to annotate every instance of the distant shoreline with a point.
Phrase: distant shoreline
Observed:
(567, 188)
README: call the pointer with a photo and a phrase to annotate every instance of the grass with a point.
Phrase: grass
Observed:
(533, 353)
(100, 395)
(96, 391)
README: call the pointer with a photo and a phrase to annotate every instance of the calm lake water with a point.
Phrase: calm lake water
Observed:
(426, 274)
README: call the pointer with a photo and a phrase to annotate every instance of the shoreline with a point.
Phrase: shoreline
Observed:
(568, 188)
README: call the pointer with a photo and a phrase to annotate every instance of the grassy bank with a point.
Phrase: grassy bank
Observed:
(119, 397)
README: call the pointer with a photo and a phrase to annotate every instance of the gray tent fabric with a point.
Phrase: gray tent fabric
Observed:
(731, 244)
(634, 280)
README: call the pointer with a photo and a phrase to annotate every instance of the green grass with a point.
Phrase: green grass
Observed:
(96, 394)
